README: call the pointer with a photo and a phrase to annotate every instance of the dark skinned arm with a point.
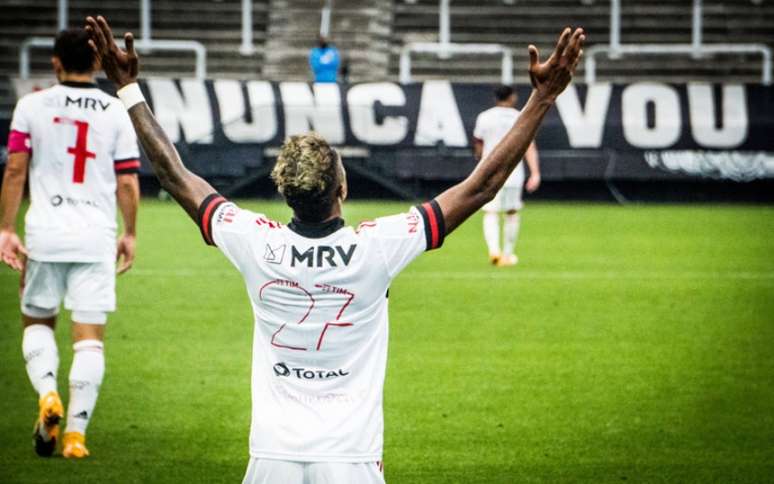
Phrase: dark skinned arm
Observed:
(549, 79)
(122, 67)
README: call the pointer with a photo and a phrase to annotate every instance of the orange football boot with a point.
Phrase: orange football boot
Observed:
(46, 429)
(74, 445)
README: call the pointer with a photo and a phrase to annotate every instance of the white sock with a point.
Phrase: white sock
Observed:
(510, 233)
(492, 232)
(42, 357)
(85, 378)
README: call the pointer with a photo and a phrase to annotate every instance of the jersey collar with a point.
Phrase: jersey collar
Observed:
(79, 84)
(317, 230)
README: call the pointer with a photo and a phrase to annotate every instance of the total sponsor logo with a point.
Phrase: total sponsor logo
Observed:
(58, 200)
(283, 370)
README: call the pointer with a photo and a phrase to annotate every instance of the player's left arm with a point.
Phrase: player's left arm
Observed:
(128, 198)
(122, 67)
(533, 162)
(549, 79)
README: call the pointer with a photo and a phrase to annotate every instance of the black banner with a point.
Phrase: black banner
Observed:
(643, 130)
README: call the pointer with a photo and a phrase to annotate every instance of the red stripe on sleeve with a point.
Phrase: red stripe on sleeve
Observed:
(127, 164)
(434, 236)
(208, 216)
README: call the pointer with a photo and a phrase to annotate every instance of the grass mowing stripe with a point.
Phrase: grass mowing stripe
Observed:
(512, 274)
(630, 344)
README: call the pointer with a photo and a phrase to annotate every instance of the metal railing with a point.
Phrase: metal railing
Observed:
(444, 48)
(697, 49)
(247, 47)
(145, 43)
(325, 18)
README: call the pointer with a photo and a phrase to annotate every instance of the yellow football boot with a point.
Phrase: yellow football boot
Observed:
(74, 445)
(507, 261)
(46, 429)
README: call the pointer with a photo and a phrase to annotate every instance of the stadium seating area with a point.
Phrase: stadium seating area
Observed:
(371, 33)
(534, 21)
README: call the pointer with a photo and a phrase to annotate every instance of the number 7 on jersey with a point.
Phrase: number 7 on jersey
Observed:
(80, 151)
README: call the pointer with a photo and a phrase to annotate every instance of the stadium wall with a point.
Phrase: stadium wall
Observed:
(405, 138)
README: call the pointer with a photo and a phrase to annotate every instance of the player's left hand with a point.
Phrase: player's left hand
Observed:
(549, 78)
(125, 248)
(120, 66)
(533, 183)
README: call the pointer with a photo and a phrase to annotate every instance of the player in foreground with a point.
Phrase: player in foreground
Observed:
(80, 150)
(491, 127)
(318, 288)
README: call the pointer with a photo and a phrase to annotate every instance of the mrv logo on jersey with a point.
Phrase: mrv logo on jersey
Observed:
(282, 369)
(322, 255)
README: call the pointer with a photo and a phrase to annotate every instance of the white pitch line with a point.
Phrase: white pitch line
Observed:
(506, 274)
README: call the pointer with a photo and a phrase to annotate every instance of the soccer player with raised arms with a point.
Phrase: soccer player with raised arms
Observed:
(80, 151)
(318, 288)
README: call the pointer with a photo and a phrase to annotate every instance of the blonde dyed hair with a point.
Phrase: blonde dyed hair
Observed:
(307, 175)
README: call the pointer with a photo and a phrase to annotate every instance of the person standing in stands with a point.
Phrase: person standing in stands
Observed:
(324, 59)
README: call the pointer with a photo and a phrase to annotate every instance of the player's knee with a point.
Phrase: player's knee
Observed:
(512, 212)
(32, 315)
(94, 330)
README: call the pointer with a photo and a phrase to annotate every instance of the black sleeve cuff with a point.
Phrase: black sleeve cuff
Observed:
(204, 215)
(126, 166)
(435, 225)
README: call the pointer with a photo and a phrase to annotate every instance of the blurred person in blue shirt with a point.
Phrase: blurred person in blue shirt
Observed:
(324, 60)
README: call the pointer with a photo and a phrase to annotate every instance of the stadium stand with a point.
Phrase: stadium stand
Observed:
(533, 21)
(361, 29)
(371, 33)
(217, 24)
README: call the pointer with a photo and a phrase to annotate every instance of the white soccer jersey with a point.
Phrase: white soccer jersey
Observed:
(79, 138)
(319, 296)
(491, 127)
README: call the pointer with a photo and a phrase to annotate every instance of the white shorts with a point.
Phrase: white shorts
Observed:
(86, 287)
(270, 471)
(508, 198)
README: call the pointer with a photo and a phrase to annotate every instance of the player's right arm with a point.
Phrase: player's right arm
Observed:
(12, 250)
(478, 138)
(121, 67)
(549, 79)
(11, 247)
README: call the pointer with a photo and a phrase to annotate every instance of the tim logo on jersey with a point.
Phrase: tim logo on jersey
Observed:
(282, 369)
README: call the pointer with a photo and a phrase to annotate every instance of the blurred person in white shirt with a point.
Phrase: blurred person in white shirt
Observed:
(491, 127)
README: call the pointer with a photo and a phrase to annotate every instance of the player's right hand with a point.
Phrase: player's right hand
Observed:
(120, 66)
(552, 76)
(12, 251)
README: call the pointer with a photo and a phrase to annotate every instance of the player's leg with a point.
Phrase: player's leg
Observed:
(511, 204)
(90, 295)
(511, 235)
(86, 374)
(270, 471)
(42, 290)
(492, 227)
(344, 473)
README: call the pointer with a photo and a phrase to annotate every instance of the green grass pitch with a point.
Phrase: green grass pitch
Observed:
(631, 344)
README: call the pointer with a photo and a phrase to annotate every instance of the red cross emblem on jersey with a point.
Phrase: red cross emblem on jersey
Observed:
(80, 151)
